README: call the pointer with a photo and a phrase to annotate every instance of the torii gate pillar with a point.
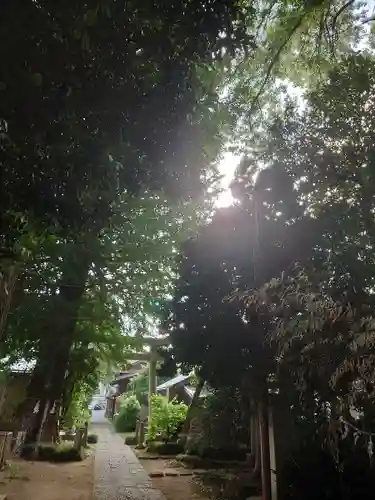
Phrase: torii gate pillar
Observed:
(152, 358)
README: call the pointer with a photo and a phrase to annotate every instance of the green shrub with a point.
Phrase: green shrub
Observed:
(167, 418)
(225, 419)
(126, 420)
(64, 452)
(78, 412)
(165, 448)
(92, 439)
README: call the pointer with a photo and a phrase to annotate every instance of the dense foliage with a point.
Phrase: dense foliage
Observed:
(126, 419)
(204, 309)
(322, 315)
(167, 418)
(222, 425)
(279, 288)
(112, 119)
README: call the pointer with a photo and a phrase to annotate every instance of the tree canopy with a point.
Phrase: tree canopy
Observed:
(113, 116)
(279, 287)
(111, 119)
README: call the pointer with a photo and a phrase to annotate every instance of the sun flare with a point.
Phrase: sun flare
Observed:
(227, 168)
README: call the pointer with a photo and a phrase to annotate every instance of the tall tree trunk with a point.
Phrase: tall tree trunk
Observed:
(8, 278)
(256, 447)
(34, 436)
(55, 431)
(193, 404)
(189, 415)
(57, 347)
(67, 398)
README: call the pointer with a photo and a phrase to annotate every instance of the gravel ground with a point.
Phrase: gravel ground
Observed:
(118, 472)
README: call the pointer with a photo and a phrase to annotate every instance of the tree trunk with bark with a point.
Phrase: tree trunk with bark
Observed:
(255, 445)
(55, 351)
(192, 406)
(8, 278)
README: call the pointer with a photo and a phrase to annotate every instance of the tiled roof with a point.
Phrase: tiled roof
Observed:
(172, 382)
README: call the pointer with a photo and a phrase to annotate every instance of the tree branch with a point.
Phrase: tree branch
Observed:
(369, 20)
(275, 59)
(340, 11)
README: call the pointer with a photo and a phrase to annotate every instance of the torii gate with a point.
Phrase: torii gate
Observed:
(270, 489)
(152, 357)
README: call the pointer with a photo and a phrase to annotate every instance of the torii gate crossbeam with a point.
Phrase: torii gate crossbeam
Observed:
(152, 357)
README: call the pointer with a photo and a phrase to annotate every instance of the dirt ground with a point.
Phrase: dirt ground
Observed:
(46, 481)
(181, 488)
(174, 488)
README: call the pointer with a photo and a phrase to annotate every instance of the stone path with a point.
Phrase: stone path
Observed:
(118, 472)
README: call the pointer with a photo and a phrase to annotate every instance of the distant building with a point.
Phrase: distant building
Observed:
(179, 387)
(120, 384)
(102, 389)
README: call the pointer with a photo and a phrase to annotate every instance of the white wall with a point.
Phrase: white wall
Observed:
(101, 391)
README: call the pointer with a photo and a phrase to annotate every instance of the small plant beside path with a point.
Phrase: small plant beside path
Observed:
(167, 419)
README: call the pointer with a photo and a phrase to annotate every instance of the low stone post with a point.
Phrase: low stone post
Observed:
(18, 443)
(137, 428)
(78, 439)
(141, 435)
(85, 432)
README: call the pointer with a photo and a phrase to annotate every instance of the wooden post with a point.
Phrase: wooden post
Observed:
(151, 381)
(141, 434)
(113, 408)
(253, 429)
(257, 454)
(85, 433)
(254, 441)
(274, 486)
(265, 448)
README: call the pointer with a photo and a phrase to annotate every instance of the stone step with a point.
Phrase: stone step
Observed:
(171, 473)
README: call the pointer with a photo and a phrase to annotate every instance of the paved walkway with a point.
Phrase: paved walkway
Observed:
(118, 472)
